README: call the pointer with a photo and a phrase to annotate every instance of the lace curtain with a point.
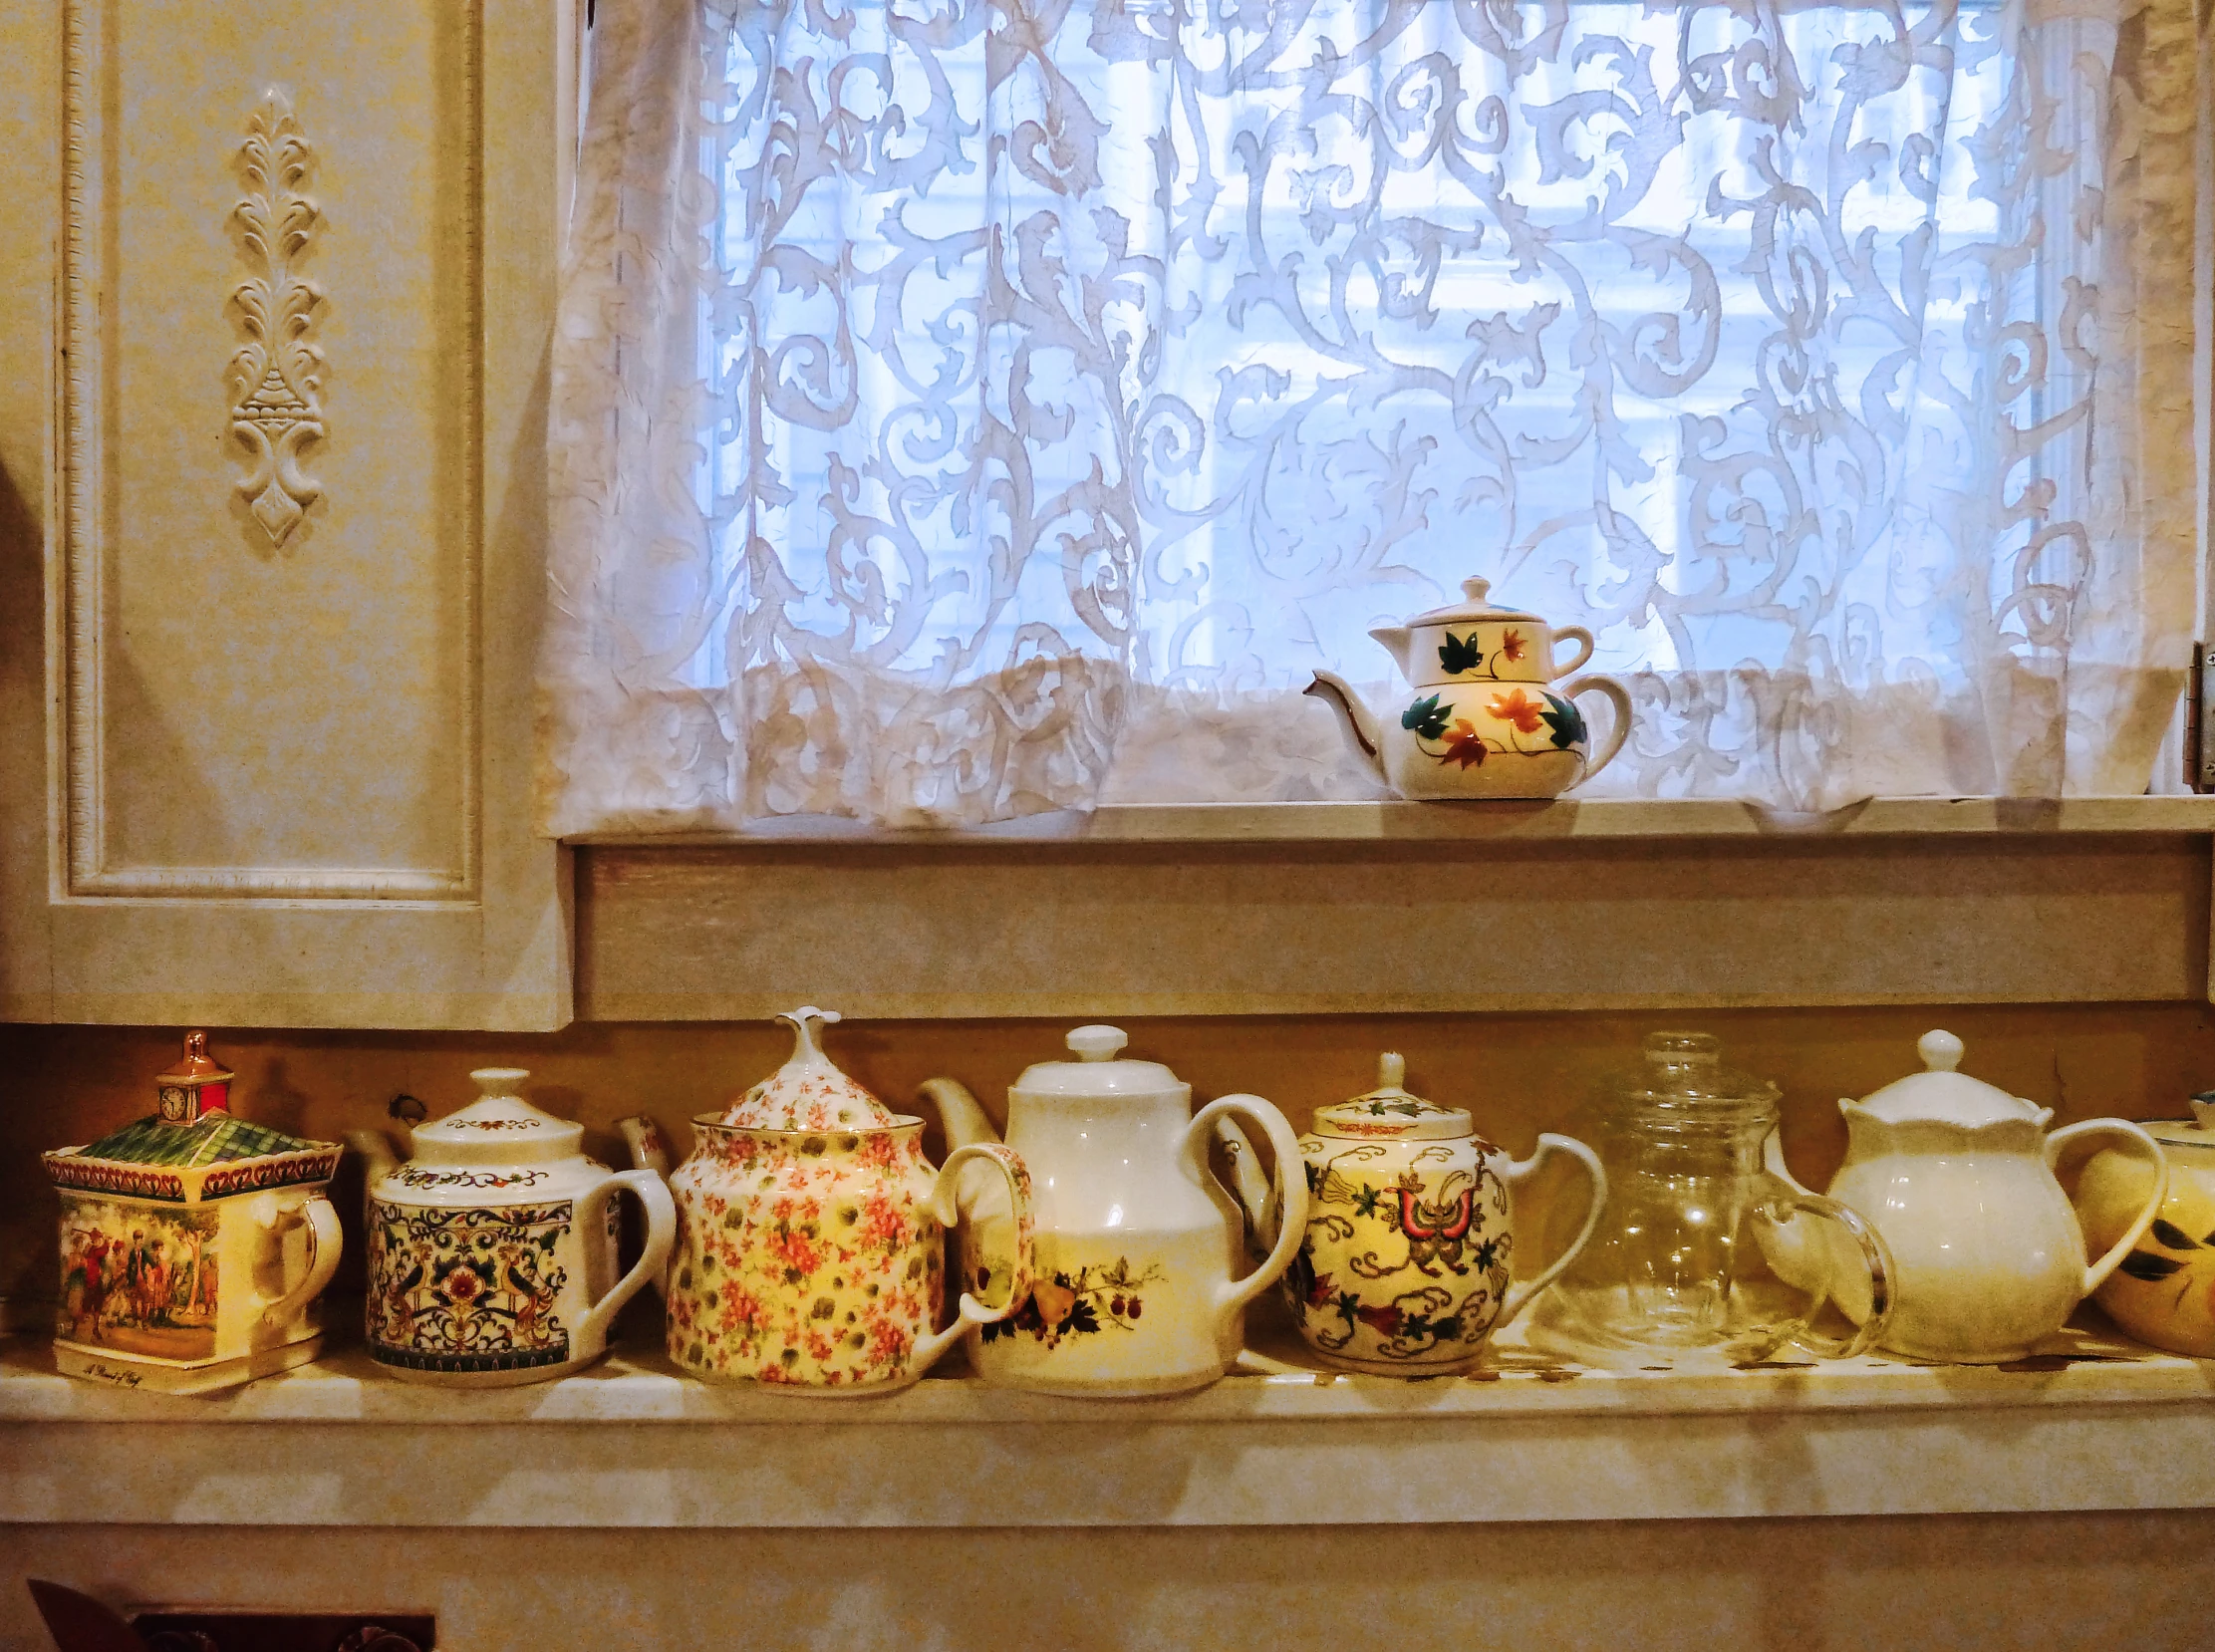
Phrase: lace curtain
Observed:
(966, 409)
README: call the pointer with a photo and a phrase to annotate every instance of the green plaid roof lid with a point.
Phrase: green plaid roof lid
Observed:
(214, 1138)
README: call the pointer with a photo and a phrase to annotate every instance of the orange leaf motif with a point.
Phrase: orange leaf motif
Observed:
(1511, 646)
(1520, 709)
(1463, 744)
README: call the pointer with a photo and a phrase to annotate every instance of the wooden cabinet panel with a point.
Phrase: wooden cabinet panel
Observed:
(302, 262)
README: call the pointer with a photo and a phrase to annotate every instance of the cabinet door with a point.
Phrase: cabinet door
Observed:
(278, 281)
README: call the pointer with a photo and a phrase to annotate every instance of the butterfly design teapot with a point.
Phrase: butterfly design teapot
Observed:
(1484, 719)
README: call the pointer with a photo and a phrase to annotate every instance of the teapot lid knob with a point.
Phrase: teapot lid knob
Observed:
(1097, 1043)
(1392, 1071)
(499, 1081)
(803, 1022)
(1475, 590)
(1940, 1050)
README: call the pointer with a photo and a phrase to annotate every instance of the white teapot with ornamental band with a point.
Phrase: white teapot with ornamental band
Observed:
(1483, 718)
(1957, 1176)
(1135, 1286)
(492, 1249)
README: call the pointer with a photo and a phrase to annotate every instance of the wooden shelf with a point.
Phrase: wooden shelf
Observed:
(2096, 1424)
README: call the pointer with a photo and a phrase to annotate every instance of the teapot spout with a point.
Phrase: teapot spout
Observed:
(965, 1120)
(1354, 718)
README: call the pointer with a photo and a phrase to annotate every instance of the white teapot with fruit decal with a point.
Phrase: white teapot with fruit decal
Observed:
(1484, 719)
(1137, 1287)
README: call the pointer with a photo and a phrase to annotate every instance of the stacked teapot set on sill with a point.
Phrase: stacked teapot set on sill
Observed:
(802, 1246)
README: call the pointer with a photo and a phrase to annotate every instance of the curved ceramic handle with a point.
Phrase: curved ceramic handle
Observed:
(1518, 1296)
(1290, 1202)
(325, 1239)
(1617, 696)
(2096, 1275)
(647, 1151)
(1563, 668)
(1256, 1190)
(652, 1262)
(946, 1199)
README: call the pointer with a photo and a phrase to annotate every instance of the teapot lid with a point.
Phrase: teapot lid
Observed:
(1390, 1111)
(1683, 1079)
(2196, 1133)
(1473, 605)
(498, 1128)
(1096, 1071)
(1944, 1096)
(193, 1149)
(808, 1092)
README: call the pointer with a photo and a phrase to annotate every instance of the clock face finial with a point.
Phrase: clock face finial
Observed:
(197, 1085)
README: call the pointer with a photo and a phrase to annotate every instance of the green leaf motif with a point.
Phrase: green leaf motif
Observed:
(1428, 719)
(2176, 1238)
(1458, 653)
(1566, 721)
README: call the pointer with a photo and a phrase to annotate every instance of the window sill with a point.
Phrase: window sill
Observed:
(1568, 819)
(2101, 1424)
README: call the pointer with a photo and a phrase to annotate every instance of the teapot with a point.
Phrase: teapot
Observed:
(1481, 721)
(492, 1249)
(1957, 1176)
(194, 1242)
(1411, 1233)
(810, 1247)
(2163, 1291)
(1135, 1288)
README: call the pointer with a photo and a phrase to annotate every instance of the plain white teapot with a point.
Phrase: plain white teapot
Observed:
(1958, 1177)
(1137, 1246)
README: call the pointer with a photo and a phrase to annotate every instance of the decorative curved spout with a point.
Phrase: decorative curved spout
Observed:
(1354, 718)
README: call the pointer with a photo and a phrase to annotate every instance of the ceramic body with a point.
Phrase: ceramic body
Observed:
(493, 1252)
(193, 1246)
(814, 1259)
(1482, 719)
(1986, 1253)
(1410, 1235)
(1139, 1247)
(2164, 1290)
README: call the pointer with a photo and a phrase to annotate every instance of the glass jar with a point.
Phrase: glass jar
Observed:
(1679, 1271)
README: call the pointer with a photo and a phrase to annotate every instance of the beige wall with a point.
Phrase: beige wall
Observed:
(2051, 1582)
(1520, 1073)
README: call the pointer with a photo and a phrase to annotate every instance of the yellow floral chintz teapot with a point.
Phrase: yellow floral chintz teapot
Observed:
(1484, 719)
(811, 1229)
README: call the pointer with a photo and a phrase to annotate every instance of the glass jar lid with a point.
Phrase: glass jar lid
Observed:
(1391, 1113)
(1683, 1077)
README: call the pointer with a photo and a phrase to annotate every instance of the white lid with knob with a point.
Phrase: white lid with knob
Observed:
(1391, 1110)
(1940, 1094)
(498, 1128)
(1097, 1072)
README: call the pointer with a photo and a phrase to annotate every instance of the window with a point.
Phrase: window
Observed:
(966, 410)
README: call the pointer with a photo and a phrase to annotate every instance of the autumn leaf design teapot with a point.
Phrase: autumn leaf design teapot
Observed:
(1484, 719)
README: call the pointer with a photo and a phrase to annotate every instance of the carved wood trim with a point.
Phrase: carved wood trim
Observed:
(79, 869)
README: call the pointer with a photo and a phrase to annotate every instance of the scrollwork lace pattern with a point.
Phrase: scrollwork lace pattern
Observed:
(971, 407)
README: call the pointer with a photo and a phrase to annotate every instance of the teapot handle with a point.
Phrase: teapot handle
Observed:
(2096, 1275)
(1291, 1203)
(592, 1228)
(1518, 1296)
(322, 1218)
(946, 1200)
(1563, 668)
(1617, 696)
